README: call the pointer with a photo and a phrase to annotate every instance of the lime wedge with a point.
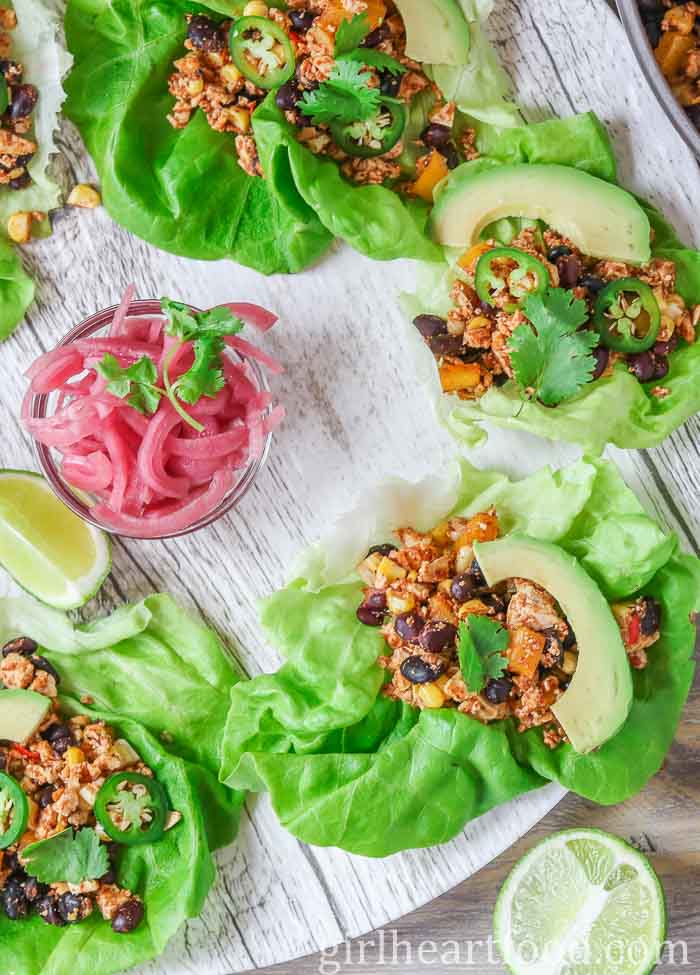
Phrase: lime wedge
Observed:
(47, 549)
(582, 902)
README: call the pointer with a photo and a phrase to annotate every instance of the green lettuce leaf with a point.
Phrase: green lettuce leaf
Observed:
(181, 190)
(347, 767)
(162, 680)
(616, 409)
(16, 289)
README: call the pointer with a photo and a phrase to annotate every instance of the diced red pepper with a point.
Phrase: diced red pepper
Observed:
(26, 753)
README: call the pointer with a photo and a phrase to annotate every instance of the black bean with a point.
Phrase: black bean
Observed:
(288, 96)
(430, 325)
(554, 648)
(694, 113)
(302, 20)
(59, 736)
(14, 903)
(419, 671)
(24, 160)
(498, 689)
(642, 365)
(556, 253)
(41, 663)
(569, 271)
(11, 862)
(650, 620)
(47, 909)
(493, 601)
(373, 609)
(128, 917)
(379, 34)
(24, 98)
(44, 796)
(661, 366)
(592, 284)
(436, 135)
(389, 84)
(601, 354)
(451, 155)
(666, 348)
(452, 345)
(462, 587)
(20, 182)
(438, 636)
(74, 907)
(500, 379)
(409, 626)
(23, 645)
(33, 889)
(110, 877)
(486, 309)
(386, 548)
(569, 640)
(205, 33)
(476, 574)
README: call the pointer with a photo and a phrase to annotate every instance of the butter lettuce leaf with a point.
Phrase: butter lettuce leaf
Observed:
(347, 767)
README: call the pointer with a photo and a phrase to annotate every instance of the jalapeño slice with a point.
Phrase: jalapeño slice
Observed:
(375, 136)
(132, 808)
(627, 316)
(528, 277)
(14, 810)
(259, 41)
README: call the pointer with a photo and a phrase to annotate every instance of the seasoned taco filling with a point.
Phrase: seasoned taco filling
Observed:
(342, 79)
(674, 32)
(627, 314)
(17, 103)
(73, 783)
(424, 594)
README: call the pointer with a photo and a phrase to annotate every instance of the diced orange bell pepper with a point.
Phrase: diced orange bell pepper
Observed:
(525, 647)
(433, 168)
(672, 52)
(335, 13)
(469, 258)
(459, 375)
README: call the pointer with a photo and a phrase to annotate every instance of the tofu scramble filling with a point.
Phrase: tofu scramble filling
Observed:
(472, 345)
(674, 32)
(301, 41)
(419, 593)
(17, 103)
(63, 770)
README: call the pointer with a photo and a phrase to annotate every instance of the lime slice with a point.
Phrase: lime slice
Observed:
(582, 902)
(47, 549)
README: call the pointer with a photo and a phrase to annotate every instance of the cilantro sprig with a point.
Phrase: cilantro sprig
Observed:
(549, 355)
(351, 33)
(68, 857)
(482, 643)
(205, 377)
(374, 59)
(345, 97)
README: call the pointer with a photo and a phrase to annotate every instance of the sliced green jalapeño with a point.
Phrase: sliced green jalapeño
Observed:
(261, 51)
(376, 135)
(14, 810)
(528, 277)
(627, 316)
(132, 808)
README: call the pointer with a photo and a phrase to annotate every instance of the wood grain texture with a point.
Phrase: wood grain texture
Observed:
(354, 417)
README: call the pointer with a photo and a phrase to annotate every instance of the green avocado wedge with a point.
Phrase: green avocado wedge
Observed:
(602, 219)
(436, 31)
(21, 713)
(599, 697)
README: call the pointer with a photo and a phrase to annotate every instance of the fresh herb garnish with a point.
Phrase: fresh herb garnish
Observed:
(67, 857)
(135, 384)
(345, 97)
(374, 59)
(205, 377)
(482, 642)
(550, 356)
(351, 33)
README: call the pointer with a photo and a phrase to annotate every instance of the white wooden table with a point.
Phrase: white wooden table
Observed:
(354, 417)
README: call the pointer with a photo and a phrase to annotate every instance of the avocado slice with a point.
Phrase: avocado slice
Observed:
(21, 713)
(599, 697)
(602, 219)
(437, 31)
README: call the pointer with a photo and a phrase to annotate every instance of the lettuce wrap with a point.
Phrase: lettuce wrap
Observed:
(615, 409)
(163, 681)
(182, 191)
(347, 767)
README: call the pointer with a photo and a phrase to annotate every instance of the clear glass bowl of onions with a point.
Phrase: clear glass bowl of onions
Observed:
(150, 475)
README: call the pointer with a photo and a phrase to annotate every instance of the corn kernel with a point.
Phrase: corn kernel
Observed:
(464, 559)
(33, 813)
(570, 662)
(240, 118)
(231, 74)
(441, 533)
(256, 8)
(195, 86)
(400, 603)
(74, 756)
(84, 196)
(480, 321)
(19, 227)
(473, 607)
(390, 570)
(469, 258)
(430, 696)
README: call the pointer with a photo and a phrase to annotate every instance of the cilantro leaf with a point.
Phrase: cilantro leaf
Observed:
(135, 384)
(374, 59)
(185, 324)
(482, 642)
(205, 377)
(351, 33)
(218, 321)
(181, 320)
(67, 857)
(344, 97)
(549, 355)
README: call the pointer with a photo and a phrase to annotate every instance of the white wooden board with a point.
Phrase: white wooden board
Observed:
(355, 416)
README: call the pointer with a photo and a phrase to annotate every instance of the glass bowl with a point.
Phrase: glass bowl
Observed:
(43, 405)
(632, 20)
